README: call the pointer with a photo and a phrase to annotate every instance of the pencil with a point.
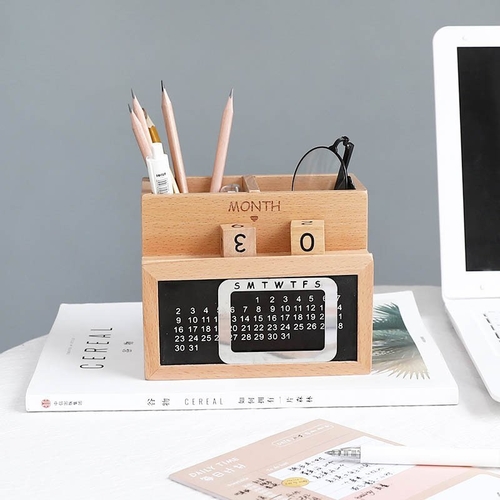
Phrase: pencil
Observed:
(137, 108)
(138, 131)
(222, 146)
(173, 140)
(155, 137)
(153, 131)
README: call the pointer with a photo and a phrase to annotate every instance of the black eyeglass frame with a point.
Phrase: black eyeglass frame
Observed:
(343, 179)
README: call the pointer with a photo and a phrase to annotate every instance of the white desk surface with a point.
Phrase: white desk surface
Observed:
(129, 455)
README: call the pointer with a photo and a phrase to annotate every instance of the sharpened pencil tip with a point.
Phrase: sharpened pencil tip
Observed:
(164, 93)
(129, 108)
(132, 92)
(231, 94)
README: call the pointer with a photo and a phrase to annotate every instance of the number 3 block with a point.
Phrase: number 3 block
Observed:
(238, 240)
(307, 237)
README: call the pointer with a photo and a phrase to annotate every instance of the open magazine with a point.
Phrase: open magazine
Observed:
(93, 359)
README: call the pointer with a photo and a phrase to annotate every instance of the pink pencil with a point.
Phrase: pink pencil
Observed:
(138, 111)
(173, 140)
(140, 137)
(222, 146)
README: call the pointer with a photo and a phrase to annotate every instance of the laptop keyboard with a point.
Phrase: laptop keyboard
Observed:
(493, 319)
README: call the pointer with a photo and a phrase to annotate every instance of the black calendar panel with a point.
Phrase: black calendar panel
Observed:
(189, 320)
(278, 321)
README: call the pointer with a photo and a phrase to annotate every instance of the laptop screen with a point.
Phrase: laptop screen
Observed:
(479, 84)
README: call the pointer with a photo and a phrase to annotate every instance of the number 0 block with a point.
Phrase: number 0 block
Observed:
(238, 240)
(307, 237)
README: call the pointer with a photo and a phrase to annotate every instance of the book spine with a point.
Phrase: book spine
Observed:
(230, 401)
(187, 401)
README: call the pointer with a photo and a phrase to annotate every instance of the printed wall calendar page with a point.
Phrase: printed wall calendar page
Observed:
(295, 465)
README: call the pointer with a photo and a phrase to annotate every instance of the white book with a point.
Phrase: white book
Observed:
(93, 359)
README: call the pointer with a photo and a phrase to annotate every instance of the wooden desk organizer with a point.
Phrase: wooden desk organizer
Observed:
(279, 323)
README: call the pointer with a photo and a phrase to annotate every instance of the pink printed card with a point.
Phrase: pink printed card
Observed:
(294, 465)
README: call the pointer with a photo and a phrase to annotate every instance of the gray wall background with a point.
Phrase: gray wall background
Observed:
(303, 73)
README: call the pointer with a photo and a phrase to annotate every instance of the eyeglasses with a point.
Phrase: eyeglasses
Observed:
(316, 169)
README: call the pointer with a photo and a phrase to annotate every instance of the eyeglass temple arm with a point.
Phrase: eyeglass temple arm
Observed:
(349, 147)
(343, 180)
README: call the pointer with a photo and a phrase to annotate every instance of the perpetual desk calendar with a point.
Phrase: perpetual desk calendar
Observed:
(264, 282)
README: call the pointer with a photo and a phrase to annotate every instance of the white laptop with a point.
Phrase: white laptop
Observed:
(467, 96)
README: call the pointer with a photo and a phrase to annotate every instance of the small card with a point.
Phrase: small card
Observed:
(295, 465)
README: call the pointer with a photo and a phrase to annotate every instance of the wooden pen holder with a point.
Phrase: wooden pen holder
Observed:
(266, 282)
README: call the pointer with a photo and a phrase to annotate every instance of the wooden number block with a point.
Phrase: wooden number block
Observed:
(307, 237)
(238, 240)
